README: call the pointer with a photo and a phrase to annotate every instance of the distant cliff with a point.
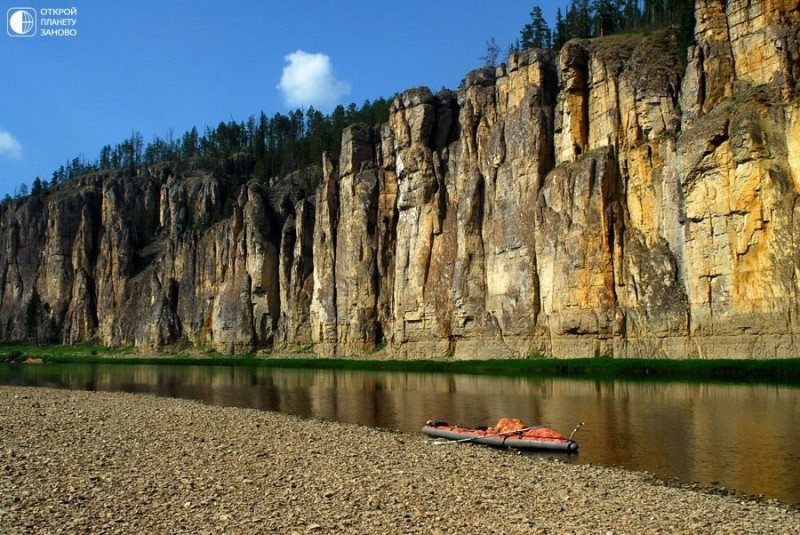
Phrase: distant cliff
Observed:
(606, 199)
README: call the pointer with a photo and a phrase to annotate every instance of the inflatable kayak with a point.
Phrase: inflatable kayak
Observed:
(508, 433)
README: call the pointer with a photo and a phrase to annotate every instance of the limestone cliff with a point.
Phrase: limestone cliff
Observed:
(605, 199)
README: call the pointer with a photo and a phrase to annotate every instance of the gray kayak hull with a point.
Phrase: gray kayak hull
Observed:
(506, 441)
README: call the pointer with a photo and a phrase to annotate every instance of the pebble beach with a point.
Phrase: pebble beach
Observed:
(96, 462)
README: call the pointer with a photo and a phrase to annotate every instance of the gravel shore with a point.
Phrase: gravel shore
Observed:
(95, 462)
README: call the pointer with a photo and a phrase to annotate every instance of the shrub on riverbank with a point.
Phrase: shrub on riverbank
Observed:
(13, 357)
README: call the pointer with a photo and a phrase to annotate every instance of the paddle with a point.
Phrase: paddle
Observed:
(575, 430)
(472, 439)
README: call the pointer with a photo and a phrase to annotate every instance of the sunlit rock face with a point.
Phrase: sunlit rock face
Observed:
(608, 199)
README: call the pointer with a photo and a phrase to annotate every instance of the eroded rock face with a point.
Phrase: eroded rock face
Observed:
(578, 232)
(419, 318)
(602, 200)
(323, 302)
(740, 252)
(570, 210)
(296, 282)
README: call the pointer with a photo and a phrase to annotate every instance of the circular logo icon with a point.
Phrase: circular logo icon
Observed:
(21, 22)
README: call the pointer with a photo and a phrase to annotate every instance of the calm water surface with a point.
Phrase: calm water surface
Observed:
(742, 437)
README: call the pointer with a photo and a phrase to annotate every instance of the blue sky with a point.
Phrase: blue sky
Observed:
(152, 66)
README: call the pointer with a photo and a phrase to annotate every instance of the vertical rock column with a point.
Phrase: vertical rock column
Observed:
(476, 154)
(386, 233)
(261, 262)
(225, 259)
(577, 230)
(572, 113)
(422, 272)
(323, 303)
(738, 178)
(648, 276)
(81, 317)
(517, 156)
(114, 263)
(296, 276)
(739, 257)
(356, 244)
(710, 73)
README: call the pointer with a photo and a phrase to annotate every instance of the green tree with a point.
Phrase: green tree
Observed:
(317, 133)
(560, 33)
(536, 33)
(59, 175)
(105, 157)
(338, 123)
(652, 13)
(631, 16)
(32, 312)
(37, 188)
(492, 53)
(607, 17)
(189, 143)
(276, 146)
(579, 19)
(138, 147)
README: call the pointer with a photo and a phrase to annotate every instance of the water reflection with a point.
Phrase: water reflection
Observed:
(740, 436)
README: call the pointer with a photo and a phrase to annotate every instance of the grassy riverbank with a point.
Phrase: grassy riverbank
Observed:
(779, 370)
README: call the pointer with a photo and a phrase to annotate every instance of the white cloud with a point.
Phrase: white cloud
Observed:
(9, 146)
(308, 80)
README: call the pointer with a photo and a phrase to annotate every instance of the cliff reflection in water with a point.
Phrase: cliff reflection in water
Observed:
(742, 437)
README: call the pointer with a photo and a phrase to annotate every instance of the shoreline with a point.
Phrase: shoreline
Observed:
(125, 463)
(775, 371)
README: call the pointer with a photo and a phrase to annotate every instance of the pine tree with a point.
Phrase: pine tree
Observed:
(189, 144)
(492, 53)
(579, 19)
(32, 316)
(536, 33)
(651, 13)
(560, 34)
(631, 16)
(607, 17)
(37, 188)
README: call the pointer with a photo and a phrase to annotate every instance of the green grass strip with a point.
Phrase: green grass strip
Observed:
(786, 371)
